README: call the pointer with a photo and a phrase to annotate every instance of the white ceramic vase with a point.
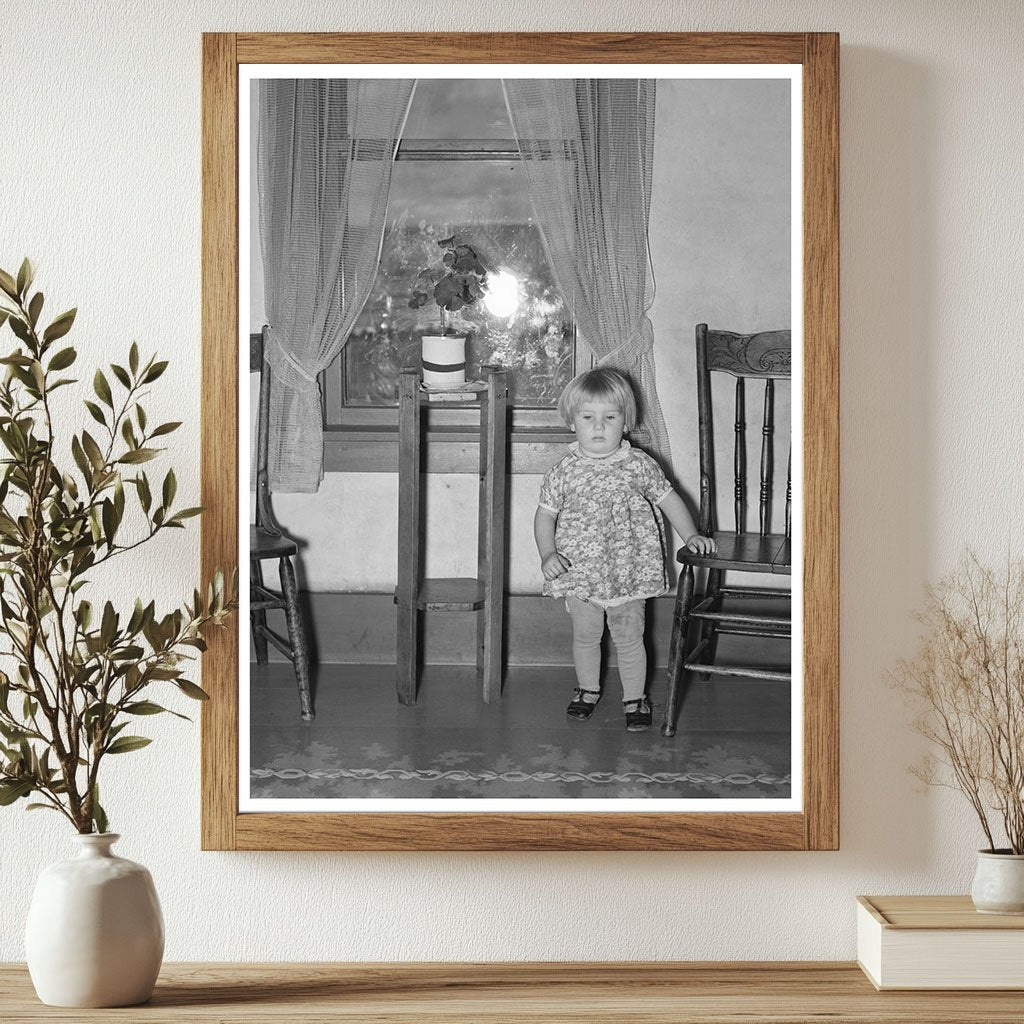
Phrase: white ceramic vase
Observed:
(444, 360)
(95, 934)
(999, 883)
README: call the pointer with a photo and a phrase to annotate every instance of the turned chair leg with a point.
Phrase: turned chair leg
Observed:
(258, 619)
(677, 649)
(709, 628)
(296, 636)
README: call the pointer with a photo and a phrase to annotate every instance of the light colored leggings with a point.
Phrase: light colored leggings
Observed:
(626, 625)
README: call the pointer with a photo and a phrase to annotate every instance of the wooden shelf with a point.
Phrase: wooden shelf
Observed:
(451, 594)
(661, 993)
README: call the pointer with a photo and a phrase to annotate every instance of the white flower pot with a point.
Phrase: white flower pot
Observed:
(999, 883)
(444, 360)
(95, 934)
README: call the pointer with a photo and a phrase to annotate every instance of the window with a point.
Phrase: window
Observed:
(458, 172)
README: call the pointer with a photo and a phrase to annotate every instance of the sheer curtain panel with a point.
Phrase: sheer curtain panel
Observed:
(325, 151)
(587, 146)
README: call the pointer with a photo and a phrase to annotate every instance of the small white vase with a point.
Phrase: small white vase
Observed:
(95, 934)
(999, 883)
(444, 360)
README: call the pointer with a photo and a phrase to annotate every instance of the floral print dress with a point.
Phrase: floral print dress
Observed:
(608, 526)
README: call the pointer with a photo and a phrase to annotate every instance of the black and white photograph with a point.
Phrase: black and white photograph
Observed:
(522, 527)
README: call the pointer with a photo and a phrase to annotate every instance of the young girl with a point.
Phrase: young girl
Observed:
(600, 538)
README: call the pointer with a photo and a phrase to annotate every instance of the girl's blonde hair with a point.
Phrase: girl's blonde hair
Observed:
(601, 384)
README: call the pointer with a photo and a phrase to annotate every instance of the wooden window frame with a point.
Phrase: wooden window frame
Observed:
(816, 825)
(365, 438)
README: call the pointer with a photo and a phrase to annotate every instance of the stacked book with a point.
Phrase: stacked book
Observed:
(938, 942)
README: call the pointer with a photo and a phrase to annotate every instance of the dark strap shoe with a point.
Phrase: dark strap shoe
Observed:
(638, 714)
(579, 708)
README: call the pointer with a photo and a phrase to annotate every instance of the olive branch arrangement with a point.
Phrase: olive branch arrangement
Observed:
(80, 674)
(967, 682)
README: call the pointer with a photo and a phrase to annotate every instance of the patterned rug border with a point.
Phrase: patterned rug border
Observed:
(463, 775)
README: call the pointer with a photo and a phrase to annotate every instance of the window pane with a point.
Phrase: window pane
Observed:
(523, 324)
(458, 108)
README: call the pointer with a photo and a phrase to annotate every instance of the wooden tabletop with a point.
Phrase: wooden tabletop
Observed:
(660, 993)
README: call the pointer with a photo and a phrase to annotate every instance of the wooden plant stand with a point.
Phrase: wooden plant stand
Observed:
(484, 594)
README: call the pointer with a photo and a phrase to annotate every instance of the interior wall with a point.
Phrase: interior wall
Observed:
(103, 189)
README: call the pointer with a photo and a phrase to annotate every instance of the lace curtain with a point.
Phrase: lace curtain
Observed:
(587, 147)
(325, 151)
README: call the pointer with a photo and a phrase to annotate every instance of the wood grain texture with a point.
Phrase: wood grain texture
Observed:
(520, 831)
(521, 48)
(931, 912)
(615, 993)
(817, 826)
(219, 429)
(821, 441)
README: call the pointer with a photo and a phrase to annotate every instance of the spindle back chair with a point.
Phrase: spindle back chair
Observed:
(267, 541)
(748, 358)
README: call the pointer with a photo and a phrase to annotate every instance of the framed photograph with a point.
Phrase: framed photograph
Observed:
(520, 419)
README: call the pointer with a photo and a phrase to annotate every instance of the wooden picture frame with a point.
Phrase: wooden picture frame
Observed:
(816, 826)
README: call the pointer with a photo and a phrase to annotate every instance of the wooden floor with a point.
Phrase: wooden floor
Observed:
(733, 740)
(618, 993)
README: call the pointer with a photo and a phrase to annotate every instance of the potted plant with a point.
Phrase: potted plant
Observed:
(82, 671)
(966, 681)
(454, 281)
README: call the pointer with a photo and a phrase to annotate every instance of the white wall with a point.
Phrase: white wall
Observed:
(101, 182)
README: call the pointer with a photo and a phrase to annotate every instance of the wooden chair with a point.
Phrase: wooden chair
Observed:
(267, 541)
(764, 356)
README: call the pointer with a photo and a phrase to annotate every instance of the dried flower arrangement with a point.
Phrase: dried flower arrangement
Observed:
(967, 682)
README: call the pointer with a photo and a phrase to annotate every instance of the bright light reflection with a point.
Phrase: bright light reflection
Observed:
(502, 296)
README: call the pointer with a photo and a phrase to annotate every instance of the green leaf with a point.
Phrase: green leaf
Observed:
(80, 459)
(144, 707)
(128, 433)
(125, 744)
(20, 328)
(140, 415)
(109, 522)
(83, 613)
(63, 359)
(191, 690)
(165, 428)
(102, 388)
(60, 326)
(8, 284)
(14, 790)
(99, 816)
(145, 498)
(185, 513)
(135, 622)
(108, 627)
(42, 807)
(170, 488)
(138, 455)
(119, 499)
(26, 273)
(95, 412)
(34, 308)
(154, 371)
(133, 358)
(121, 374)
(92, 449)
